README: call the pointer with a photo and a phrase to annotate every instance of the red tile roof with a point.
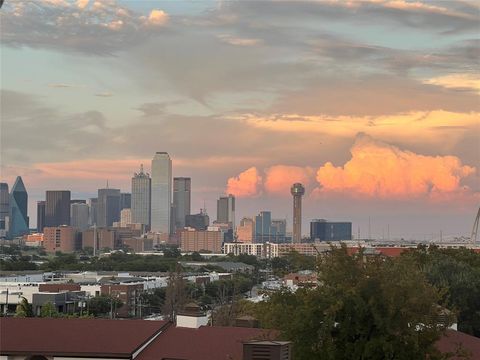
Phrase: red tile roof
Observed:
(449, 343)
(206, 342)
(75, 337)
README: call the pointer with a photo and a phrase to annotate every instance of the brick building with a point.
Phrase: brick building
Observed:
(194, 240)
(61, 238)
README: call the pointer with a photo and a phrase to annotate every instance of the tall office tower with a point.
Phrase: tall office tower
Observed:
(41, 215)
(93, 205)
(181, 200)
(226, 210)
(263, 227)
(199, 221)
(125, 201)
(79, 216)
(279, 230)
(4, 204)
(18, 209)
(245, 231)
(57, 208)
(297, 191)
(108, 207)
(161, 199)
(141, 190)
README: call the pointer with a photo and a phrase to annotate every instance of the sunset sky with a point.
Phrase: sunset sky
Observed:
(373, 105)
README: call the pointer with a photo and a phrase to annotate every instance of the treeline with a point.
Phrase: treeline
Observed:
(374, 307)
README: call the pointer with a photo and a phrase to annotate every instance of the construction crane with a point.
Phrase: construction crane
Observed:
(473, 237)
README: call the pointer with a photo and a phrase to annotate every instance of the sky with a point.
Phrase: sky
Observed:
(373, 105)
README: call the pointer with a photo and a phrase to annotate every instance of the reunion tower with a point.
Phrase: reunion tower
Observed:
(297, 191)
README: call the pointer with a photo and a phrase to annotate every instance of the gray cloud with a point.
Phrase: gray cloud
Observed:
(32, 132)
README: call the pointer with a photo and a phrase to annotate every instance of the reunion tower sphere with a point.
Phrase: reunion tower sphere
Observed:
(297, 191)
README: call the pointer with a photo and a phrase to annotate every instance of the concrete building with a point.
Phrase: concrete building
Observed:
(181, 200)
(57, 208)
(323, 230)
(194, 240)
(200, 221)
(18, 212)
(108, 207)
(246, 230)
(125, 217)
(80, 215)
(106, 239)
(226, 210)
(4, 204)
(161, 199)
(138, 244)
(40, 215)
(60, 238)
(141, 192)
(297, 191)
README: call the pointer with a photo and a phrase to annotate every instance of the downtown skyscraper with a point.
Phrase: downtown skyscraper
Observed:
(57, 208)
(181, 200)
(18, 217)
(141, 193)
(4, 205)
(226, 210)
(161, 199)
(108, 207)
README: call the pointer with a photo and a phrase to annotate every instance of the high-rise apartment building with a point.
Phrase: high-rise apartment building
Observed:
(108, 207)
(80, 215)
(57, 208)
(297, 191)
(161, 199)
(181, 200)
(4, 205)
(18, 217)
(141, 192)
(226, 210)
(41, 215)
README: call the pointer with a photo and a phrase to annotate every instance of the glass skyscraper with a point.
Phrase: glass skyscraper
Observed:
(4, 204)
(181, 200)
(18, 209)
(141, 192)
(161, 200)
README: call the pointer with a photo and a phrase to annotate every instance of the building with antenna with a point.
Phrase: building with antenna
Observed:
(108, 206)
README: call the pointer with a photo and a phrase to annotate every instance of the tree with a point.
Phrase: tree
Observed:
(49, 310)
(175, 295)
(364, 308)
(103, 305)
(24, 309)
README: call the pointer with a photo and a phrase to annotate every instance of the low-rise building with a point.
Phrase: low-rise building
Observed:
(127, 293)
(194, 240)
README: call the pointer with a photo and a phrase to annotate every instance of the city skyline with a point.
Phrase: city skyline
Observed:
(374, 109)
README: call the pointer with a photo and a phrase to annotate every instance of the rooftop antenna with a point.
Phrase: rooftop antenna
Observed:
(107, 183)
(141, 168)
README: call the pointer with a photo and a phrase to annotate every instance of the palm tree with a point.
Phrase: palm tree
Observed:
(24, 309)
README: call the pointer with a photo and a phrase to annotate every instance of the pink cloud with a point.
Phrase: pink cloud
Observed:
(246, 184)
(279, 178)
